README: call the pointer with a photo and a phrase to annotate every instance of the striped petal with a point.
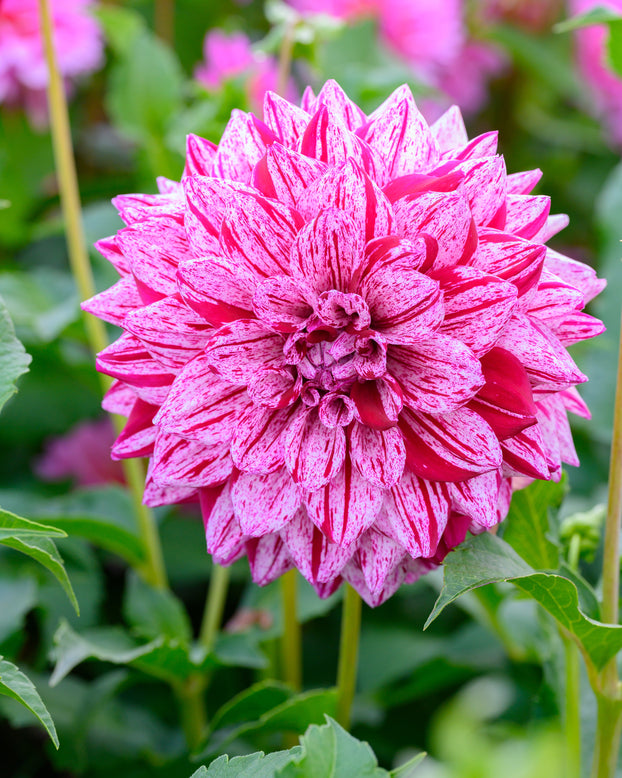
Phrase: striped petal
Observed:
(225, 541)
(209, 286)
(313, 453)
(181, 462)
(113, 304)
(526, 214)
(138, 435)
(478, 499)
(315, 556)
(264, 503)
(286, 174)
(379, 455)
(237, 350)
(268, 558)
(257, 444)
(287, 121)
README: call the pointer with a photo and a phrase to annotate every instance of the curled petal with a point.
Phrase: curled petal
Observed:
(524, 454)
(268, 558)
(285, 174)
(378, 403)
(526, 214)
(283, 303)
(287, 121)
(478, 499)
(377, 556)
(138, 435)
(516, 260)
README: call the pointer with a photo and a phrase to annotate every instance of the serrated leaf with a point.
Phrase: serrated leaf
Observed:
(257, 765)
(328, 751)
(14, 360)
(13, 526)
(527, 527)
(43, 550)
(14, 684)
(155, 612)
(488, 559)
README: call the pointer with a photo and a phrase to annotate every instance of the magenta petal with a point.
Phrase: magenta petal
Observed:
(110, 250)
(574, 403)
(449, 131)
(209, 287)
(344, 508)
(526, 214)
(202, 406)
(181, 462)
(436, 375)
(237, 350)
(287, 121)
(283, 303)
(576, 326)
(170, 331)
(113, 304)
(120, 399)
(523, 183)
(553, 298)
(477, 306)
(377, 556)
(313, 453)
(264, 503)
(268, 558)
(509, 258)
(379, 455)
(484, 145)
(339, 105)
(257, 445)
(546, 361)
(378, 403)
(405, 305)
(451, 447)
(199, 156)
(417, 511)
(285, 174)
(353, 574)
(156, 495)
(138, 435)
(224, 537)
(575, 273)
(478, 498)
(327, 251)
(525, 454)
(274, 387)
(553, 421)
(315, 556)
(240, 148)
(553, 224)
(257, 233)
(400, 133)
(135, 208)
(484, 184)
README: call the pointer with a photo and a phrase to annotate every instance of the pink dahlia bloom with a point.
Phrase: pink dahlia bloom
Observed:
(83, 455)
(344, 334)
(228, 56)
(605, 85)
(23, 71)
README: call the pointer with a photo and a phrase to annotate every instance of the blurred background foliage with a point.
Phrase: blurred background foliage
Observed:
(481, 690)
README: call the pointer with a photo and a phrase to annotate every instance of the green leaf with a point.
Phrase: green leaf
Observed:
(257, 765)
(43, 550)
(121, 26)
(405, 770)
(598, 15)
(252, 703)
(488, 559)
(13, 683)
(155, 612)
(239, 649)
(527, 527)
(12, 526)
(145, 88)
(329, 751)
(18, 595)
(614, 45)
(14, 360)
(41, 302)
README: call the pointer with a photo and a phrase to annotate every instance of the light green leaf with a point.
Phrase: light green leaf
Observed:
(155, 612)
(43, 550)
(329, 751)
(12, 526)
(14, 360)
(121, 26)
(257, 765)
(406, 770)
(239, 649)
(527, 527)
(488, 559)
(13, 683)
(598, 15)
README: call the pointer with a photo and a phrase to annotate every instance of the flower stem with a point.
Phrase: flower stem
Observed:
(291, 642)
(153, 571)
(572, 713)
(164, 20)
(285, 57)
(192, 708)
(214, 606)
(609, 724)
(348, 654)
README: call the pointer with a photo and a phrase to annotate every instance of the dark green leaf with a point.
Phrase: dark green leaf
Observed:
(488, 559)
(18, 595)
(239, 650)
(14, 360)
(252, 703)
(155, 612)
(14, 684)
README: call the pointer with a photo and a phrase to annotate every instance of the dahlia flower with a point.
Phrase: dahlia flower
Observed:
(23, 70)
(227, 56)
(605, 85)
(344, 335)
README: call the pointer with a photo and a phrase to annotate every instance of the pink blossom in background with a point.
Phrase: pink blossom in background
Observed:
(23, 71)
(431, 36)
(82, 455)
(345, 336)
(605, 86)
(230, 55)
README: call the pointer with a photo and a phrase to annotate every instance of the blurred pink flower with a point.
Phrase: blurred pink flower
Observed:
(344, 334)
(23, 71)
(430, 36)
(82, 455)
(605, 85)
(227, 56)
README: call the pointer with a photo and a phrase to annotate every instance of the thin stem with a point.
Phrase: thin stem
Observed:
(164, 20)
(291, 642)
(348, 655)
(214, 606)
(153, 571)
(609, 724)
(285, 57)
(574, 552)
(572, 718)
(611, 553)
(192, 708)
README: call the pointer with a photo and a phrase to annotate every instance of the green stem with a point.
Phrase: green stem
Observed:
(609, 725)
(190, 695)
(291, 643)
(214, 606)
(153, 571)
(285, 57)
(164, 20)
(572, 718)
(348, 655)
